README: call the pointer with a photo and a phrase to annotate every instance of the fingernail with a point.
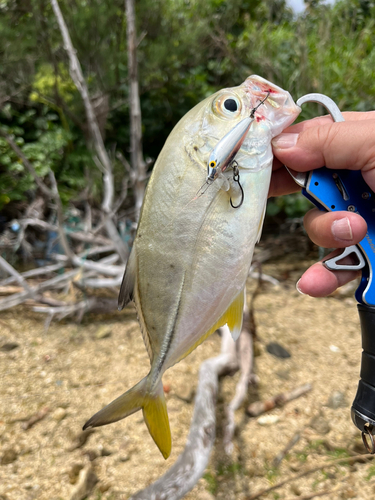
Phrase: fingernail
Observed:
(342, 230)
(298, 288)
(285, 141)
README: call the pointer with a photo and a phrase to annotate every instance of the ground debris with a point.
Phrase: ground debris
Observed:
(320, 424)
(29, 422)
(103, 332)
(8, 346)
(81, 439)
(337, 400)
(9, 456)
(87, 479)
(277, 350)
(186, 393)
(259, 407)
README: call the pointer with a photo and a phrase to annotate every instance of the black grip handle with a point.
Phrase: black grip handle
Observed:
(363, 408)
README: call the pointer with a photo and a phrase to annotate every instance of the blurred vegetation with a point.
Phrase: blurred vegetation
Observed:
(187, 50)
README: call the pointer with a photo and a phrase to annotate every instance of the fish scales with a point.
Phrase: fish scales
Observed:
(192, 253)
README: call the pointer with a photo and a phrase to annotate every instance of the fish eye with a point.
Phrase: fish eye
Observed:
(227, 106)
(230, 105)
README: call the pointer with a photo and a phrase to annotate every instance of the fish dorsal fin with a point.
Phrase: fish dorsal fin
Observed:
(232, 317)
(128, 282)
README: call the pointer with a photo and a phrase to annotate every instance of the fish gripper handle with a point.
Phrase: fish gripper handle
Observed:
(363, 408)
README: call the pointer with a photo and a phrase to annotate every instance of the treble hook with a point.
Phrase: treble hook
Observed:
(261, 102)
(236, 178)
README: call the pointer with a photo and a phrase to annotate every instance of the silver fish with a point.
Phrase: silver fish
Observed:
(191, 255)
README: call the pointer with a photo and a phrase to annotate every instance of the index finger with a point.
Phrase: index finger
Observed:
(327, 119)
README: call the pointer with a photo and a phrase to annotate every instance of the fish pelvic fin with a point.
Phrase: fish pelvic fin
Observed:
(128, 281)
(233, 317)
(154, 412)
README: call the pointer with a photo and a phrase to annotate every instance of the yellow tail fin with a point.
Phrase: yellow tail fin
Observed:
(154, 413)
(156, 418)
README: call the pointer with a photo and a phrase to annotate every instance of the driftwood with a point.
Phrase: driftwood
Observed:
(190, 465)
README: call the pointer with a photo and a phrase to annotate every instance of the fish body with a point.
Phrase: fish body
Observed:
(191, 255)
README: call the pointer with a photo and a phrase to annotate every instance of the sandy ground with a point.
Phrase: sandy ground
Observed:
(72, 370)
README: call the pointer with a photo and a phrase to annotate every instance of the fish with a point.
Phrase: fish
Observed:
(191, 255)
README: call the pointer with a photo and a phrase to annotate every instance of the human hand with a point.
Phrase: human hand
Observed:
(313, 144)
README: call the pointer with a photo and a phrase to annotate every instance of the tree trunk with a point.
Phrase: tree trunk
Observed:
(136, 154)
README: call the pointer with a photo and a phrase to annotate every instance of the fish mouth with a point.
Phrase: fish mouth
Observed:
(279, 99)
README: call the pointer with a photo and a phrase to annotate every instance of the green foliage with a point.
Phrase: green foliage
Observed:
(293, 205)
(212, 484)
(47, 82)
(371, 472)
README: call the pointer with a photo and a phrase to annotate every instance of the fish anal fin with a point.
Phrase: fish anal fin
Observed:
(156, 418)
(128, 282)
(233, 317)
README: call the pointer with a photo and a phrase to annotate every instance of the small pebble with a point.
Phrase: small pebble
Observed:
(103, 332)
(337, 400)
(277, 350)
(9, 346)
(59, 414)
(334, 348)
(9, 455)
(268, 419)
(320, 424)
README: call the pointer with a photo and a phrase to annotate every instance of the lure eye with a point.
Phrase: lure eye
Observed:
(212, 164)
(227, 106)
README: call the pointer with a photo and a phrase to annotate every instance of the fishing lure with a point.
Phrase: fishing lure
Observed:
(226, 149)
(222, 156)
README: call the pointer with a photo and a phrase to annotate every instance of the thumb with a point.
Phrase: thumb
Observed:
(344, 145)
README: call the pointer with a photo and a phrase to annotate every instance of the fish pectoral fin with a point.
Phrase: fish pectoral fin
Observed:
(234, 315)
(156, 418)
(154, 413)
(128, 282)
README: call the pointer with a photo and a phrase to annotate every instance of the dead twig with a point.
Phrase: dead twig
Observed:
(280, 456)
(350, 460)
(259, 407)
(37, 417)
(318, 494)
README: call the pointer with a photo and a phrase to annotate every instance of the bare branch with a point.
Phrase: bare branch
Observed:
(136, 154)
(16, 275)
(79, 81)
(259, 407)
